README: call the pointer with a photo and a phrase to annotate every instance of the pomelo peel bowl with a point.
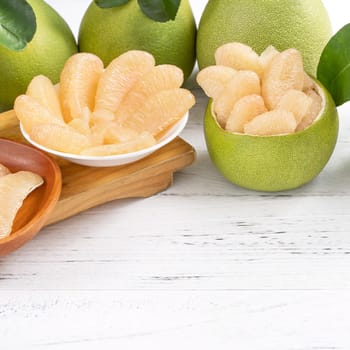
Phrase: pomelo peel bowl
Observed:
(271, 158)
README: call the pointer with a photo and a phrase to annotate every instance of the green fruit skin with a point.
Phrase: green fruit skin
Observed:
(110, 32)
(52, 44)
(273, 163)
(300, 24)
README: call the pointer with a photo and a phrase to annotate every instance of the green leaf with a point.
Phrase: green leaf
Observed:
(333, 70)
(17, 24)
(160, 10)
(110, 3)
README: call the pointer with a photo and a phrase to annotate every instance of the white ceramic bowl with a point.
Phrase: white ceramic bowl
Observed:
(120, 159)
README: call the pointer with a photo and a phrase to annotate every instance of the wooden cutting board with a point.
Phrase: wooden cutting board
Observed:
(86, 187)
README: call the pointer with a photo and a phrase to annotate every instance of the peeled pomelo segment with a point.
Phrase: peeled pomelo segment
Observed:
(160, 111)
(285, 72)
(213, 79)
(44, 92)
(144, 140)
(308, 83)
(104, 126)
(78, 84)
(102, 116)
(267, 55)
(117, 133)
(244, 110)
(59, 137)
(14, 188)
(96, 136)
(4, 170)
(238, 56)
(32, 113)
(297, 102)
(119, 77)
(112, 132)
(276, 122)
(242, 84)
(313, 111)
(80, 125)
(158, 78)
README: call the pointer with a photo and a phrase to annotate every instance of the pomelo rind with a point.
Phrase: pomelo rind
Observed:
(274, 163)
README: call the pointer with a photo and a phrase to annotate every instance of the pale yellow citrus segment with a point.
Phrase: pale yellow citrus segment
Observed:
(267, 55)
(213, 79)
(238, 56)
(78, 84)
(158, 78)
(117, 133)
(161, 110)
(32, 113)
(112, 132)
(285, 72)
(313, 111)
(59, 137)
(14, 188)
(80, 125)
(308, 83)
(244, 111)
(101, 116)
(44, 92)
(242, 84)
(276, 122)
(144, 140)
(297, 102)
(4, 170)
(119, 77)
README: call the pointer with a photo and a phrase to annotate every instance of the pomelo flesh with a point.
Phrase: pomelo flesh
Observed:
(14, 188)
(213, 79)
(242, 84)
(285, 87)
(244, 110)
(149, 98)
(78, 84)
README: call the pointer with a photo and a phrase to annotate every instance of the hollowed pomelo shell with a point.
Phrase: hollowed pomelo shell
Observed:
(274, 163)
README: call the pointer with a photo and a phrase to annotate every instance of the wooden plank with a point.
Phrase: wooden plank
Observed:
(86, 187)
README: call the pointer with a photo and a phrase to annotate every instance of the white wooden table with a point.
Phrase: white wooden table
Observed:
(202, 265)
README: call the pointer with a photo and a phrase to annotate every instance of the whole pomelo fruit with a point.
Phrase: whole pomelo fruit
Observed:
(46, 54)
(274, 163)
(110, 32)
(303, 25)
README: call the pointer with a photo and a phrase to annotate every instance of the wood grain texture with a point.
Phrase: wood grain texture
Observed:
(85, 187)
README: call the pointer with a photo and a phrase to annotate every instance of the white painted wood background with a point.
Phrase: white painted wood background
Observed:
(202, 265)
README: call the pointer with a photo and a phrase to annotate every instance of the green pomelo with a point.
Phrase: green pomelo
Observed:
(110, 32)
(303, 25)
(46, 54)
(274, 163)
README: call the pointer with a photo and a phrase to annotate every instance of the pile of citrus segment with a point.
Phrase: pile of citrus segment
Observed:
(263, 95)
(99, 111)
